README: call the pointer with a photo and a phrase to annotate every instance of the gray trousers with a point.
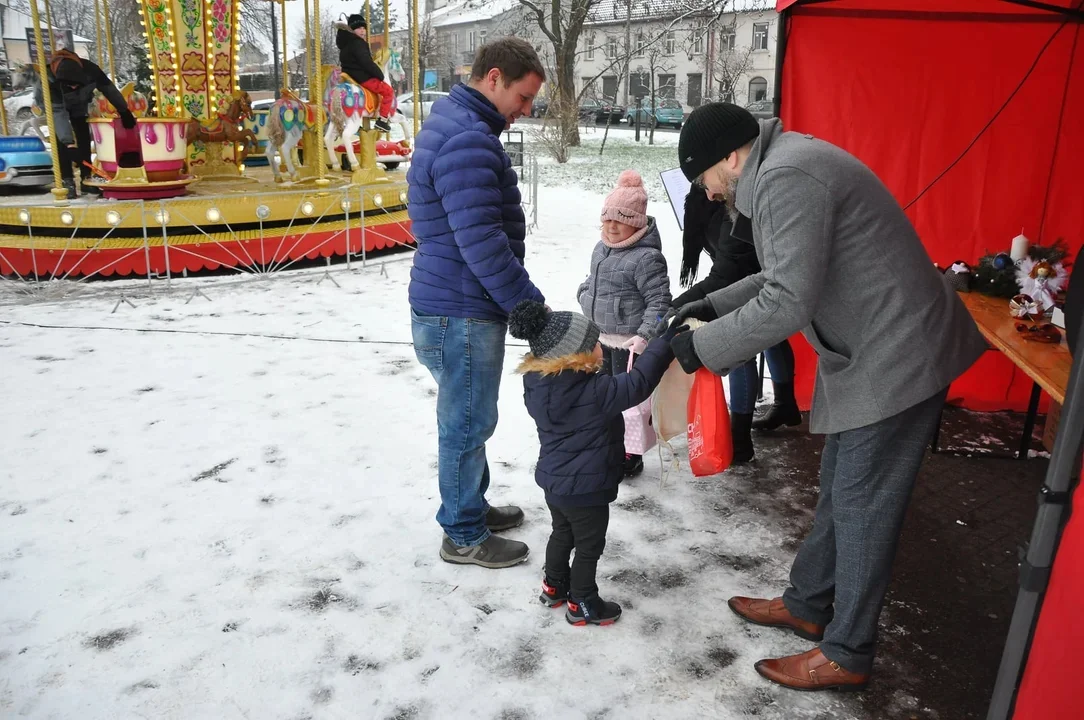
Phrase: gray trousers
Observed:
(840, 575)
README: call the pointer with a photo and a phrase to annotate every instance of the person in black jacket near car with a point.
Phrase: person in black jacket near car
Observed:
(708, 229)
(356, 60)
(77, 78)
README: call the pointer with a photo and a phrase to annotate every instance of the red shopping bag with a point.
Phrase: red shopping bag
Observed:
(710, 445)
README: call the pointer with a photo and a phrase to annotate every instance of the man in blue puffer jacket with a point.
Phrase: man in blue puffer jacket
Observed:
(468, 274)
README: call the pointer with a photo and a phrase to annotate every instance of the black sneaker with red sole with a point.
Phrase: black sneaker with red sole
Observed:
(592, 611)
(553, 595)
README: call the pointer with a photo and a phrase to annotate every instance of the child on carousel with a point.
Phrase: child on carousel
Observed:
(356, 61)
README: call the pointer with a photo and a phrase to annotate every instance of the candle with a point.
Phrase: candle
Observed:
(1019, 249)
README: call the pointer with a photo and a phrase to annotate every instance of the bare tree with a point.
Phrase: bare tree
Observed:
(731, 66)
(656, 61)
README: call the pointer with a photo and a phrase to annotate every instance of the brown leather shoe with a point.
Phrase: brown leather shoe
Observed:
(810, 671)
(773, 613)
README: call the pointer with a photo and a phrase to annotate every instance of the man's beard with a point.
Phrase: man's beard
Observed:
(731, 193)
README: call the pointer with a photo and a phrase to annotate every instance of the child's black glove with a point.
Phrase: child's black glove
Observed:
(685, 352)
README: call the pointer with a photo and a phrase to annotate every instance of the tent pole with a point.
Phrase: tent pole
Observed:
(1055, 498)
(780, 53)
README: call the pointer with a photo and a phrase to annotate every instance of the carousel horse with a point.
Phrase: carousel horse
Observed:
(100, 107)
(227, 128)
(348, 106)
(287, 121)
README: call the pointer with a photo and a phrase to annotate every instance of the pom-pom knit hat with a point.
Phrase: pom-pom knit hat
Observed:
(628, 201)
(552, 334)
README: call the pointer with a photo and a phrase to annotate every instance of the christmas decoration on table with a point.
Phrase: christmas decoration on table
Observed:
(995, 273)
(1045, 333)
(959, 276)
(1041, 280)
(1024, 307)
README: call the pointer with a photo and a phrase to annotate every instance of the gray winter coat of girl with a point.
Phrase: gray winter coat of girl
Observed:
(628, 290)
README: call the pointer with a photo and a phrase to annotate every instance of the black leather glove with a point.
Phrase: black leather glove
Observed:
(128, 120)
(701, 310)
(669, 334)
(682, 345)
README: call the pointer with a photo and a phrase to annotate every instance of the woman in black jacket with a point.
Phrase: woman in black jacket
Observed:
(708, 229)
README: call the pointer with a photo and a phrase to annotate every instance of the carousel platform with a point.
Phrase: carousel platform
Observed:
(245, 221)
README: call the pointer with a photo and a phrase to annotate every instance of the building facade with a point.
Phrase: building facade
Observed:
(692, 60)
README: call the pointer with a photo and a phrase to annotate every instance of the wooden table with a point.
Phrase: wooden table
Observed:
(1046, 364)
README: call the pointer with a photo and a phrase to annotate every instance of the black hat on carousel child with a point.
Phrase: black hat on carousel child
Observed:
(356, 21)
(712, 132)
(552, 334)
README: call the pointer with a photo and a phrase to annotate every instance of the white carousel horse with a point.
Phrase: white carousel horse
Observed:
(349, 105)
(287, 121)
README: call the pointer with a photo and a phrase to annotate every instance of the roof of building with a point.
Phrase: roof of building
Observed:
(16, 24)
(470, 11)
(608, 11)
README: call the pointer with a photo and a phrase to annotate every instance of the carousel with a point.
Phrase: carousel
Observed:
(177, 195)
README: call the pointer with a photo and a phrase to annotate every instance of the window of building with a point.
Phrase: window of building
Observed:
(455, 43)
(471, 40)
(667, 87)
(611, 48)
(670, 45)
(641, 43)
(729, 40)
(698, 43)
(760, 36)
(639, 84)
(609, 86)
(591, 46)
(481, 37)
(758, 89)
(695, 92)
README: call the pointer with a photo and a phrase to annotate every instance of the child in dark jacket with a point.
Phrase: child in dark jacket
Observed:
(577, 410)
(356, 60)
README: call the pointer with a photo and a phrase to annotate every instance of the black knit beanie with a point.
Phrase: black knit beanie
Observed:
(552, 334)
(356, 21)
(712, 132)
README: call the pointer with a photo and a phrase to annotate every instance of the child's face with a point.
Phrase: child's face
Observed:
(597, 354)
(361, 33)
(617, 232)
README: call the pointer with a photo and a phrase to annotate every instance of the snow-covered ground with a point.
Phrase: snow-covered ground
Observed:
(202, 519)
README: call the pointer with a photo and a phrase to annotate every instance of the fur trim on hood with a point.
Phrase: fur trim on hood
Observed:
(580, 362)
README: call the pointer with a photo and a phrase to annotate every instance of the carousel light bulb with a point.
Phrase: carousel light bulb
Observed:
(263, 212)
(345, 205)
(402, 196)
(378, 200)
(67, 218)
(162, 217)
(113, 218)
(213, 214)
(24, 217)
(307, 208)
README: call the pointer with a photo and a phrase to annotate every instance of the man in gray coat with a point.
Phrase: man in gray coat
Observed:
(843, 265)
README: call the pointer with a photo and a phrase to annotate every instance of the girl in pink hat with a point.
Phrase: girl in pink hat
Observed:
(627, 293)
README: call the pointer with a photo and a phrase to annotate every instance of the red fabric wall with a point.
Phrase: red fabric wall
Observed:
(907, 91)
(1051, 685)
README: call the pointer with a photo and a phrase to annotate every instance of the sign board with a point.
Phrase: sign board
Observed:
(61, 39)
(677, 187)
(430, 80)
(513, 145)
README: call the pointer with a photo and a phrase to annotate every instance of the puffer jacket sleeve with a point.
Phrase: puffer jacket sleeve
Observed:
(583, 295)
(467, 176)
(654, 285)
(615, 394)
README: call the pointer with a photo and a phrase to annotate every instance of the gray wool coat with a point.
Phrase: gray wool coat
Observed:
(843, 264)
(628, 290)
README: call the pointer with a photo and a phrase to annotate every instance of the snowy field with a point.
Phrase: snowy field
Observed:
(201, 519)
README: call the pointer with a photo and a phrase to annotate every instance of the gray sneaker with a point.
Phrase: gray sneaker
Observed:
(493, 552)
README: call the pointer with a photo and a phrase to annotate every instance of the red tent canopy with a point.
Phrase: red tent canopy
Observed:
(908, 86)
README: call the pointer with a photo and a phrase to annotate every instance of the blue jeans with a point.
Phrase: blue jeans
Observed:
(466, 358)
(744, 379)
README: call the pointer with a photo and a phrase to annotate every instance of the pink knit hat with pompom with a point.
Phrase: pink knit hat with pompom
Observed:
(628, 202)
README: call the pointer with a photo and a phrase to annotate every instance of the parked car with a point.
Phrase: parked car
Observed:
(406, 102)
(24, 162)
(17, 106)
(540, 107)
(667, 112)
(762, 109)
(600, 111)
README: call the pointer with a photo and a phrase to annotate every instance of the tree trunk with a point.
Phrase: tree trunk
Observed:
(566, 80)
